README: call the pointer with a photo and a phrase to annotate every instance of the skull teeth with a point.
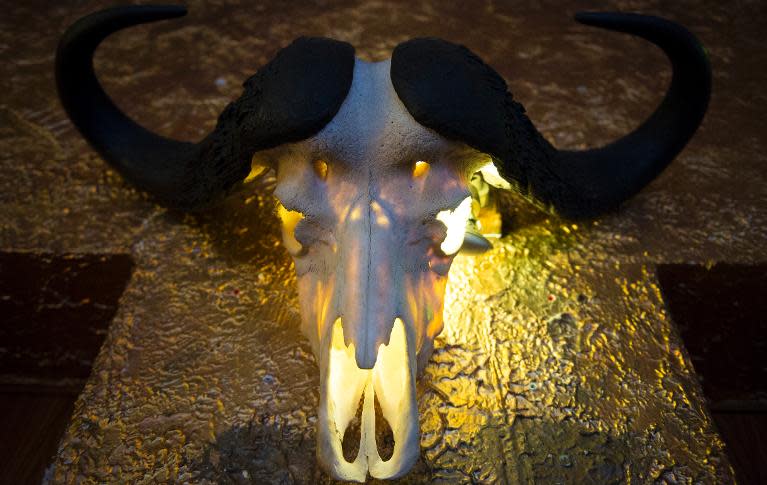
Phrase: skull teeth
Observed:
(391, 383)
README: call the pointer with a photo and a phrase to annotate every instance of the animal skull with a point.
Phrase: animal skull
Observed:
(373, 165)
(361, 206)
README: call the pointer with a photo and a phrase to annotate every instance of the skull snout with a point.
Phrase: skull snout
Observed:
(371, 277)
(367, 279)
(345, 388)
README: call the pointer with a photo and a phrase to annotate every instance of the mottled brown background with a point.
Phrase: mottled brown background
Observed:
(559, 361)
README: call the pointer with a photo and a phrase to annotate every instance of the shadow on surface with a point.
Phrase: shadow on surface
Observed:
(55, 314)
(721, 313)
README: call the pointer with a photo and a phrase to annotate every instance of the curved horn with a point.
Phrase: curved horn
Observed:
(480, 111)
(289, 99)
(601, 178)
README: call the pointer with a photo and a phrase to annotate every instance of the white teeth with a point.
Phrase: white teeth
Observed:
(391, 380)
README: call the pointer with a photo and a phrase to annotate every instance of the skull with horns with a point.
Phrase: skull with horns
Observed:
(373, 164)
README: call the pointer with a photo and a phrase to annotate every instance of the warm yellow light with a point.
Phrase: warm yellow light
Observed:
(356, 213)
(290, 220)
(345, 379)
(492, 177)
(455, 220)
(390, 381)
(380, 215)
(321, 168)
(256, 169)
(420, 168)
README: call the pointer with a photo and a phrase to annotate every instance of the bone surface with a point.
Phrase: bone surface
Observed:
(373, 233)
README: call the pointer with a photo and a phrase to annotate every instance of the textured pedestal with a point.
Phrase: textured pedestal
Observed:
(558, 362)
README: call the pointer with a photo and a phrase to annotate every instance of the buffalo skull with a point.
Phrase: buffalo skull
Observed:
(373, 164)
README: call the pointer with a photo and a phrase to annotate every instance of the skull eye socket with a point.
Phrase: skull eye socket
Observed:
(320, 168)
(420, 168)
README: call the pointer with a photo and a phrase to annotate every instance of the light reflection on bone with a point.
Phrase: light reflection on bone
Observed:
(356, 214)
(290, 220)
(319, 305)
(321, 169)
(373, 307)
(424, 297)
(380, 215)
(391, 382)
(455, 220)
(257, 168)
(420, 168)
(492, 177)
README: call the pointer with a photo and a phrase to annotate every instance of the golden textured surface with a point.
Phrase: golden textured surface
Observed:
(558, 362)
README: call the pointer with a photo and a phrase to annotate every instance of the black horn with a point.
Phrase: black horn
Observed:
(449, 89)
(287, 100)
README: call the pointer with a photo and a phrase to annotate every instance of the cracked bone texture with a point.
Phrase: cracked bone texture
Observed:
(558, 361)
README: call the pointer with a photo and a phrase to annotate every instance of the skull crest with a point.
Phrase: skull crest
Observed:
(373, 163)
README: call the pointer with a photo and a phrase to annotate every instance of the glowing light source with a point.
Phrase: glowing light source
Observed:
(321, 168)
(455, 220)
(420, 168)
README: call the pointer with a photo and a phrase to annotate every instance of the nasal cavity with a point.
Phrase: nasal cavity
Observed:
(384, 434)
(350, 445)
